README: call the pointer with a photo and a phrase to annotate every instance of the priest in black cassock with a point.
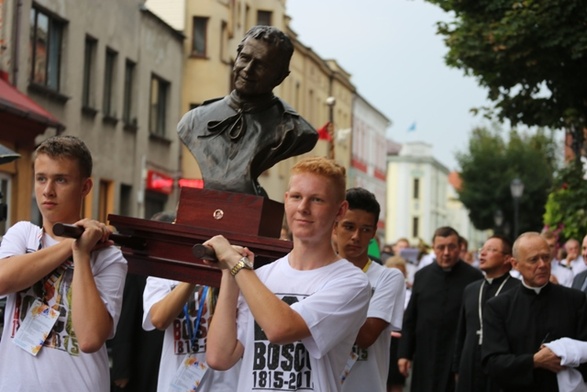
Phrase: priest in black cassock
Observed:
(430, 320)
(495, 262)
(517, 323)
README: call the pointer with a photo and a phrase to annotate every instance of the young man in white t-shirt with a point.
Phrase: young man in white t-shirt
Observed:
(368, 368)
(63, 295)
(293, 321)
(184, 310)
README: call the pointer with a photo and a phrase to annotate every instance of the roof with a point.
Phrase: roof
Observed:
(454, 178)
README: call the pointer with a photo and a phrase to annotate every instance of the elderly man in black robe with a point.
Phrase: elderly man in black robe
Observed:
(235, 138)
(430, 321)
(517, 323)
(495, 261)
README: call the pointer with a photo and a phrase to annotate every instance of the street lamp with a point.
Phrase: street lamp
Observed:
(331, 101)
(498, 219)
(7, 155)
(517, 189)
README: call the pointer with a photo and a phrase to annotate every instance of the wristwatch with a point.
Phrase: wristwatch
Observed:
(244, 262)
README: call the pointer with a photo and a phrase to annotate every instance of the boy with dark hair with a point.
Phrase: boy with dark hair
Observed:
(368, 367)
(63, 295)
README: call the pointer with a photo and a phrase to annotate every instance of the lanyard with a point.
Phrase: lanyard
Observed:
(366, 267)
(41, 239)
(193, 332)
(54, 278)
(480, 307)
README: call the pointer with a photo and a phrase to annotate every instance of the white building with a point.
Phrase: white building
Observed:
(416, 194)
(368, 158)
(422, 196)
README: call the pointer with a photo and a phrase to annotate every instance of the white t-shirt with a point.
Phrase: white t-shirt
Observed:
(426, 260)
(577, 265)
(176, 341)
(369, 373)
(60, 365)
(564, 275)
(333, 302)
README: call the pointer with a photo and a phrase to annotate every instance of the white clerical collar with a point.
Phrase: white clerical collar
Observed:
(535, 289)
(489, 280)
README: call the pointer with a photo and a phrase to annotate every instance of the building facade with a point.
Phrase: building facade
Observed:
(422, 196)
(109, 72)
(213, 30)
(121, 75)
(368, 165)
(417, 189)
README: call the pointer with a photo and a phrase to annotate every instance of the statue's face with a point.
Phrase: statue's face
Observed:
(256, 70)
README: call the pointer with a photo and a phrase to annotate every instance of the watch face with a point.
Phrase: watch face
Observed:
(247, 262)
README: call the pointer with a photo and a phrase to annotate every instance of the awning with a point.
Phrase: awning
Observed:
(15, 102)
(22, 118)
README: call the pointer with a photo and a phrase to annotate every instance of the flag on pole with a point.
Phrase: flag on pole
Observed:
(324, 132)
(412, 127)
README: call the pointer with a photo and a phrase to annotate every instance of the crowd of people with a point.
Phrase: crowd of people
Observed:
(327, 316)
(501, 334)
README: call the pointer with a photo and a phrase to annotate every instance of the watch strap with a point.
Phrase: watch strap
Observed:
(242, 263)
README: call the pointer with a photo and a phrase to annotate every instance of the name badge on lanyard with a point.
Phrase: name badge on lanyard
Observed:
(190, 373)
(35, 328)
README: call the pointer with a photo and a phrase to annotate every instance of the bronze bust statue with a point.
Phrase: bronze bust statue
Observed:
(236, 138)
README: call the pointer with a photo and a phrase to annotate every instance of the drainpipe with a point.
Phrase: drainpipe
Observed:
(16, 42)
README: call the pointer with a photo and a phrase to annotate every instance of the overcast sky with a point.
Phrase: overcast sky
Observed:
(391, 49)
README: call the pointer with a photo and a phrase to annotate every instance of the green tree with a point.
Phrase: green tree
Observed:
(531, 55)
(490, 164)
(566, 209)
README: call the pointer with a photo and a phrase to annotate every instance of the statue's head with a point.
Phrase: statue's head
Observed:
(262, 60)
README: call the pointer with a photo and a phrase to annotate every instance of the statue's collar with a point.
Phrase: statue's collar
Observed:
(248, 105)
(235, 126)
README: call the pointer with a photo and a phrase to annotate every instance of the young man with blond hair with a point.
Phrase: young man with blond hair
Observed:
(297, 318)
